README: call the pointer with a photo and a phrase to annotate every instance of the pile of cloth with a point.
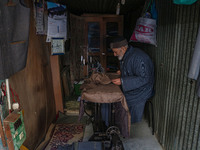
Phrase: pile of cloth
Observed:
(99, 89)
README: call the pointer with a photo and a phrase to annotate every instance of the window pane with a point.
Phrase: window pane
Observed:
(112, 28)
(93, 37)
(111, 31)
(108, 41)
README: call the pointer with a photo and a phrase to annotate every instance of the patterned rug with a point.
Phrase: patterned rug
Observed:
(64, 135)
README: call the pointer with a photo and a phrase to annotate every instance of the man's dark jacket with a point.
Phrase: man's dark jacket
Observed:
(137, 77)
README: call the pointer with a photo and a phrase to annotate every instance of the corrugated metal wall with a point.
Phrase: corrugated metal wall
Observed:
(80, 7)
(177, 108)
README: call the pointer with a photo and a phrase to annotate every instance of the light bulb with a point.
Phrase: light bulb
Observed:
(123, 2)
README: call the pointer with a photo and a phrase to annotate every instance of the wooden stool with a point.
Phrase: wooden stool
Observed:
(149, 102)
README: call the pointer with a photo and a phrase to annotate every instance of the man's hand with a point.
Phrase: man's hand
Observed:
(117, 81)
(118, 72)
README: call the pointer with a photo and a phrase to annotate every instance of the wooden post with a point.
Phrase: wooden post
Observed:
(55, 71)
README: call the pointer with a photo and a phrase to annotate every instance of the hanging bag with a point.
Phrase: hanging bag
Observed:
(145, 29)
(184, 2)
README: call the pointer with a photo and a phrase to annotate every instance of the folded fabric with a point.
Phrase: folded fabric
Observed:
(107, 93)
(98, 78)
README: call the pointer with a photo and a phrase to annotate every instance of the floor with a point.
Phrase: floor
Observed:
(141, 137)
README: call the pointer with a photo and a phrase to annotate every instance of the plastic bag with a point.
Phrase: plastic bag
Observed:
(184, 2)
(145, 31)
(154, 13)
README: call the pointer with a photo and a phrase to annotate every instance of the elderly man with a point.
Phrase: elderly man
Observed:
(137, 76)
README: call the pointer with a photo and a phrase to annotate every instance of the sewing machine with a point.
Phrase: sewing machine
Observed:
(109, 136)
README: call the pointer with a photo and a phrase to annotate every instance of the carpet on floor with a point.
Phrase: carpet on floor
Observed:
(65, 135)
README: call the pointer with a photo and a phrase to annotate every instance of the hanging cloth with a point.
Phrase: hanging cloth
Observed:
(14, 35)
(194, 70)
(195, 62)
(198, 86)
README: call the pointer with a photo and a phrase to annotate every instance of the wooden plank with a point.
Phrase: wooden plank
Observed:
(101, 15)
(77, 48)
(55, 70)
(65, 84)
(34, 86)
(12, 117)
(9, 136)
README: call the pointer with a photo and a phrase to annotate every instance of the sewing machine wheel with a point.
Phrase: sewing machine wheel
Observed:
(112, 130)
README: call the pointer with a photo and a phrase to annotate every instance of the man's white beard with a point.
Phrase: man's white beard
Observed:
(120, 57)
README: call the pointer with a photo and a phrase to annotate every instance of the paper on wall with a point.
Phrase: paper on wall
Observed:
(40, 17)
(56, 28)
(57, 21)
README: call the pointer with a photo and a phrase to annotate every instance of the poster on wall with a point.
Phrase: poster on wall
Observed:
(40, 17)
(57, 21)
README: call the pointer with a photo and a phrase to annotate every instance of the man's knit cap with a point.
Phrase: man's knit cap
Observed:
(118, 42)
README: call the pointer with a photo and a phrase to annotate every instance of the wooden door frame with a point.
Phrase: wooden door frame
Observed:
(111, 18)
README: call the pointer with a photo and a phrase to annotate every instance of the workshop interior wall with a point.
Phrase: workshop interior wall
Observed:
(77, 47)
(176, 105)
(34, 87)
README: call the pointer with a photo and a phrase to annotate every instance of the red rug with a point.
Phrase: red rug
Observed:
(65, 134)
